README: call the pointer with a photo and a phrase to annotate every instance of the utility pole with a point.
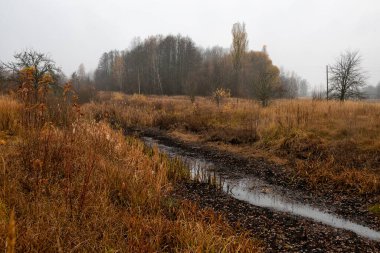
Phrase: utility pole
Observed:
(327, 82)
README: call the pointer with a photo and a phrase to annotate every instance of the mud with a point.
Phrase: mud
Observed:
(281, 231)
(348, 204)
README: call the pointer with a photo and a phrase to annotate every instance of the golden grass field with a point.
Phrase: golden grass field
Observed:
(85, 187)
(323, 142)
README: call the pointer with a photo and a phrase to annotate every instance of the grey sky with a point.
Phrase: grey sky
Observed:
(301, 35)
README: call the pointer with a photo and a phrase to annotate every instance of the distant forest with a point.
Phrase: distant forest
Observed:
(175, 65)
(171, 65)
(372, 92)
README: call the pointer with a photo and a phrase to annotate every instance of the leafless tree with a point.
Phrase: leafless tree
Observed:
(83, 85)
(41, 63)
(265, 84)
(238, 49)
(347, 77)
(81, 72)
(302, 88)
(119, 70)
(2, 79)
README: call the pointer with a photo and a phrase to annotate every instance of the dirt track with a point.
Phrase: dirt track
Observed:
(280, 231)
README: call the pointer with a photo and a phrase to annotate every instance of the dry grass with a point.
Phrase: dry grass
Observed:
(324, 142)
(9, 114)
(10, 244)
(86, 188)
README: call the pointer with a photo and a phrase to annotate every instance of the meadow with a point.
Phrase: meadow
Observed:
(71, 181)
(85, 187)
(321, 142)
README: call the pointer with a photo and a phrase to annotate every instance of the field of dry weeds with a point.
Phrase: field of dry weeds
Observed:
(322, 142)
(71, 181)
(84, 187)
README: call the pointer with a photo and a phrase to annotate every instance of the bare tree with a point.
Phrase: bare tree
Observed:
(40, 62)
(303, 87)
(2, 79)
(238, 50)
(265, 84)
(118, 71)
(81, 72)
(347, 77)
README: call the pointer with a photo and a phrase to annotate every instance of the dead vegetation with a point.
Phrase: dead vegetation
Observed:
(9, 115)
(331, 142)
(79, 186)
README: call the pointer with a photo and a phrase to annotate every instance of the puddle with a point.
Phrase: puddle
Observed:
(257, 192)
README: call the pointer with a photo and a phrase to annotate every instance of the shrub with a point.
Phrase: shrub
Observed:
(219, 94)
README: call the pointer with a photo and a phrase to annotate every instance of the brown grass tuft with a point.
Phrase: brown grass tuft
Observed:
(11, 236)
(9, 115)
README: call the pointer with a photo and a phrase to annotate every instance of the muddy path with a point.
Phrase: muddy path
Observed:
(285, 215)
(280, 232)
(348, 204)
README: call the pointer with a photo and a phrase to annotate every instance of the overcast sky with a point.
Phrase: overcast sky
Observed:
(301, 35)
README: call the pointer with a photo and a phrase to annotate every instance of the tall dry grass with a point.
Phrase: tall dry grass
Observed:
(324, 142)
(86, 188)
(9, 115)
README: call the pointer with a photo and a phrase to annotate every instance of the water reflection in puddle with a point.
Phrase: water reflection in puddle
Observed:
(259, 193)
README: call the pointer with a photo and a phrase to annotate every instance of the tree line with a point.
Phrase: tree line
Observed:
(169, 65)
(372, 92)
(175, 65)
